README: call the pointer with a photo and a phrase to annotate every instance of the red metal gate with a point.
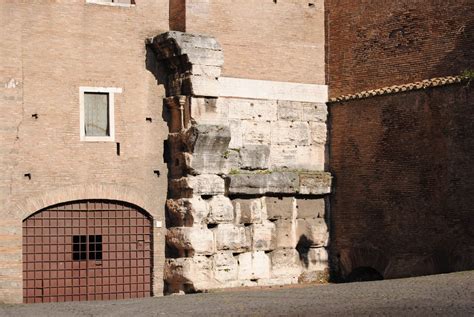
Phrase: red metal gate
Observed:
(87, 250)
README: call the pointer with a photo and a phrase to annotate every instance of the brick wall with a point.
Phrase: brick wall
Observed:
(404, 182)
(48, 50)
(372, 44)
(262, 39)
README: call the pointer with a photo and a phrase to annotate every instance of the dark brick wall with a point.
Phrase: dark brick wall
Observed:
(373, 43)
(404, 182)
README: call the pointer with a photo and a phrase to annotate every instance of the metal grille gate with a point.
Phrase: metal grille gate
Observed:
(87, 250)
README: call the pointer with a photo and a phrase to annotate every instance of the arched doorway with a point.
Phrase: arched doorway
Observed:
(87, 250)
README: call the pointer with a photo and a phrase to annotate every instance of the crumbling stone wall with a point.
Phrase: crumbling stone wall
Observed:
(246, 181)
(403, 173)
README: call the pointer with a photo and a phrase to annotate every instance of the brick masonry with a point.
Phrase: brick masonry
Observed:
(373, 44)
(48, 50)
(403, 173)
(261, 39)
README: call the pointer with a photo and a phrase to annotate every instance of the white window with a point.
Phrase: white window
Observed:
(97, 113)
(118, 3)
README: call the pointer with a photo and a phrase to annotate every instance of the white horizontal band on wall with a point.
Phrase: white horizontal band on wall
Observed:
(273, 90)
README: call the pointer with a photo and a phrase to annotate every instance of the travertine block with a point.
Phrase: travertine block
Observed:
(285, 263)
(208, 111)
(205, 86)
(315, 231)
(290, 133)
(314, 111)
(254, 157)
(310, 208)
(225, 267)
(232, 237)
(300, 157)
(263, 236)
(249, 210)
(281, 207)
(207, 139)
(236, 134)
(291, 111)
(317, 259)
(256, 132)
(285, 234)
(252, 109)
(254, 265)
(206, 70)
(187, 211)
(197, 185)
(315, 183)
(196, 273)
(318, 132)
(188, 241)
(207, 163)
(256, 183)
(220, 210)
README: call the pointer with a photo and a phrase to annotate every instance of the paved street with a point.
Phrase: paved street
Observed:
(442, 295)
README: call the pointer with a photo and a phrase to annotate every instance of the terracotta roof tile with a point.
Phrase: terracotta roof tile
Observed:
(433, 82)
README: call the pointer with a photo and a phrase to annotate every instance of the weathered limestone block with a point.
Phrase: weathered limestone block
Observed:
(187, 211)
(204, 86)
(197, 185)
(254, 265)
(286, 234)
(182, 43)
(256, 132)
(208, 111)
(251, 109)
(317, 259)
(232, 237)
(290, 133)
(299, 157)
(290, 110)
(281, 207)
(278, 182)
(206, 70)
(315, 183)
(220, 210)
(189, 274)
(313, 231)
(302, 111)
(318, 132)
(314, 111)
(207, 139)
(285, 263)
(249, 210)
(206, 163)
(263, 236)
(253, 157)
(225, 267)
(188, 241)
(310, 208)
(236, 139)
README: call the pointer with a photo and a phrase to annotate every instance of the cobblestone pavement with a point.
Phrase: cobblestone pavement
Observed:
(441, 295)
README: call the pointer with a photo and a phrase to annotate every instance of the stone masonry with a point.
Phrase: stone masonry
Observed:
(246, 178)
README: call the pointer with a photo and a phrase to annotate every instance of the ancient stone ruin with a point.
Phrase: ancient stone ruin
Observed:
(247, 182)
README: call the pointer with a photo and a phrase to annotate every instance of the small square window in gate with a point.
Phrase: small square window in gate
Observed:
(79, 248)
(95, 248)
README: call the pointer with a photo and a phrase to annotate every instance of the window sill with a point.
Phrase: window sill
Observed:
(110, 4)
(98, 139)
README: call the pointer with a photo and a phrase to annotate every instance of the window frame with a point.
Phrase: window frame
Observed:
(110, 91)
